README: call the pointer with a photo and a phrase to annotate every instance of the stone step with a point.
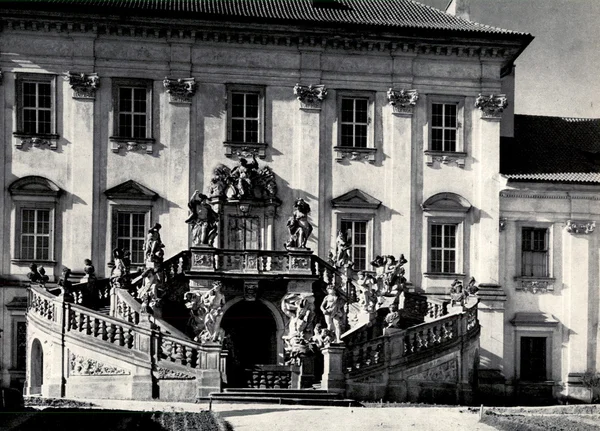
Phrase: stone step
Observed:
(280, 394)
(221, 397)
(277, 390)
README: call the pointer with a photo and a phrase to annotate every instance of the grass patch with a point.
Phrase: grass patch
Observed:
(504, 422)
(56, 402)
(77, 419)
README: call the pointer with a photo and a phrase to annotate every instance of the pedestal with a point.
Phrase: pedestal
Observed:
(333, 371)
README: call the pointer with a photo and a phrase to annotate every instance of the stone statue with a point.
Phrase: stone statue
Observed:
(298, 225)
(89, 270)
(392, 319)
(204, 220)
(153, 247)
(391, 273)
(367, 296)
(148, 293)
(321, 337)
(342, 250)
(119, 272)
(459, 294)
(66, 287)
(213, 302)
(193, 302)
(300, 310)
(219, 181)
(334, 313)
(37, 275)
(244, 176)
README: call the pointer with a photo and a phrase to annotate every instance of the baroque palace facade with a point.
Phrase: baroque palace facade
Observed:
(177, 138)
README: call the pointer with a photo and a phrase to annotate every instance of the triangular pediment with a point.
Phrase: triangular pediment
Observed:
(35, 186)
(355, 199)
(131, 190)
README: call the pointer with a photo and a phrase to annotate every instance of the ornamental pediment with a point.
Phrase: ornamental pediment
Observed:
(131, 190)
(355, 199)
(34, 185)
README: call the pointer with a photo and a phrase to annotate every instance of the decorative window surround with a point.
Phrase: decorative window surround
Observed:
(353, 128)
(445, 157)
(491, 106)
(310, 96)
(180, 90)
(34, 193)
(45, 130)
(535, 284)
(84, 85)
(358, 154)
(403, 101)
(580, 227)
(242, 140)
(130, 142)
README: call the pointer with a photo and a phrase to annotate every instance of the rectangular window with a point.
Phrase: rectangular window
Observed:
(534, 252)
(35, 234)
(354, 122)
(533, 359)
(21, 345)
(36, 105)
(131, 234)
(442, 248)
(243, 233)
(444, 126)
(356, 232)
(133, 112)
(245, 117)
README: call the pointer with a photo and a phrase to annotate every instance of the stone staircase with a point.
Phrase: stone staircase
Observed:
(311, 397)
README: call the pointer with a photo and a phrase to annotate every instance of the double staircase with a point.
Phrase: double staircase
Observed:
(99, 342)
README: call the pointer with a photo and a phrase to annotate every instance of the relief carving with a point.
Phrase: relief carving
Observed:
(165, 374)
(445, 372)
(81, 366)
(580, 227)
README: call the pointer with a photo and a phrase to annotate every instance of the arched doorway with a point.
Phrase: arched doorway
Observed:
(251, 333)
(36, 368)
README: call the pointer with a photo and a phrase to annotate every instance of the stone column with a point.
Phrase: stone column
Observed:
(579, 276)
(76, 223)
(398, 182)
(333, 369)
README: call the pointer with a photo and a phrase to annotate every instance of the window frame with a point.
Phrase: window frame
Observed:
(129, 208)
(368, 235)
(362, 215)
(546, 252)
(444, 224)
(460, 152)
(38, 78)
(118, 84)
(35, 235)
(345, 152)
(246, 89)
(523, 280)
(44, 204)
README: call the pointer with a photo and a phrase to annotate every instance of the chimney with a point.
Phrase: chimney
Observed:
(459, 8)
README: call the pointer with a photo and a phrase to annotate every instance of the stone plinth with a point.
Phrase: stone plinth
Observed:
(333, 371)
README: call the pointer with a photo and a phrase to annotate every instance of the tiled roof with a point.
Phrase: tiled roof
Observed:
(379, 13)
(552, 149)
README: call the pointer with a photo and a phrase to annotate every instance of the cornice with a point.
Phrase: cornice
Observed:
(537, 195)
(258, 35)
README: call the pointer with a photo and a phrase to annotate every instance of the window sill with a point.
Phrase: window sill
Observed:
(27, 262)
(355, 153)
(443, 275)
(132, 144)
(445, 157)
(36, 140)
(535, 284)
(245, 149)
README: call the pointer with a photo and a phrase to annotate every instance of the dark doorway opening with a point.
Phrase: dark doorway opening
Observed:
(251, 340)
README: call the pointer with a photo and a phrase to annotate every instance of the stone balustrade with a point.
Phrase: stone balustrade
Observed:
(181, 352)
(101, 327)
(269, 376)
(365, 355)
(125, 307)
(41, 303)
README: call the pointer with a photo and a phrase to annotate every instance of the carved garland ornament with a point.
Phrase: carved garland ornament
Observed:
(36, 141)
(84, 85)
(491, 106)
(165, 374)
(81, 366)
(535, 286)
(310, 96)
(578, 227)
(180, 90)
(402, 101)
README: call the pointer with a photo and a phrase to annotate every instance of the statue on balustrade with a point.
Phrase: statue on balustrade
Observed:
(390, 273)
(153, 247)
(333, 308)
(193, 301)
(213, 302)
(65, 285)
(119, 272)
(460, 295)
(342, 251)
(37, 274)
(204, 220)
(322, 337)
(149, 292)
(392, 319)
(300, 310)
(298, 225)
(368, 298)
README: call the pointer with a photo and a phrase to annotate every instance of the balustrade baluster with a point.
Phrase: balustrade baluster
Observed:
(188, 356)
(111, 333)
(120, 339)
(88, 326)
(178, 352)
(102, 331)
(128, 339)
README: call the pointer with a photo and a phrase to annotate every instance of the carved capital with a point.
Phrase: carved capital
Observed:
(580, 227)
(310, 96)
(22, 140)
(540, 285)
(491, 106)
(354, 153)
(132, 144)
(180, 90)
(403, 101)
(84, 85)
(445, 157)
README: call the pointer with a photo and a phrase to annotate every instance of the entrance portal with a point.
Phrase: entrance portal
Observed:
(251, 329)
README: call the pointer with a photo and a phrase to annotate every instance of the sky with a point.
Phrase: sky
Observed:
(559, 72)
